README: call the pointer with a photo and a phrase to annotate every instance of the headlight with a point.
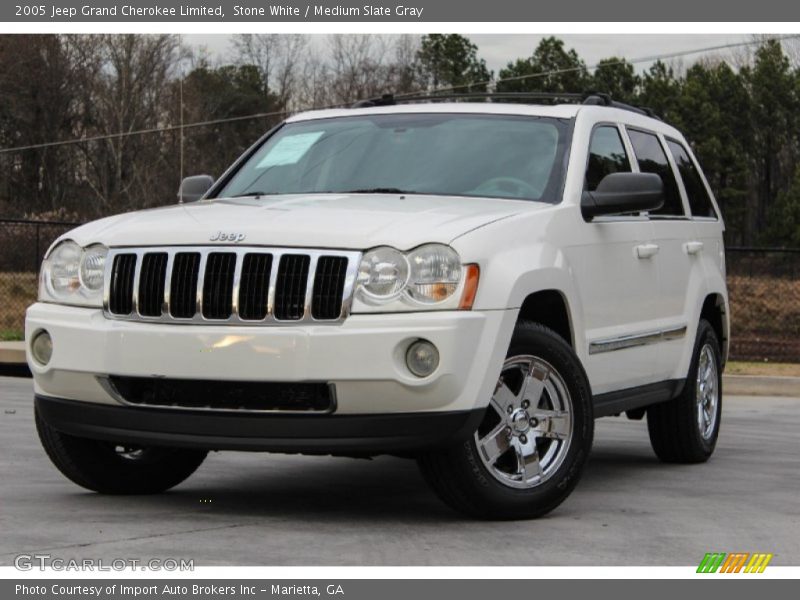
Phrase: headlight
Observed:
(383, 274)
(73, 275)
(426, 278)
(64, 263)
(435, 273)
(93, 267)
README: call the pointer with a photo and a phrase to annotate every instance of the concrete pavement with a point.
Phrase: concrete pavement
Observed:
(258, 509)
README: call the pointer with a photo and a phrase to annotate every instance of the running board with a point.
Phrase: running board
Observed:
(615, 403)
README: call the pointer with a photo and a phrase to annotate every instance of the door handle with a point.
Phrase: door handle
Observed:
(646, 250)
(693, 247)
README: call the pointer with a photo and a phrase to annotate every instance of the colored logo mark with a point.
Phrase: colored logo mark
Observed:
(736, 562)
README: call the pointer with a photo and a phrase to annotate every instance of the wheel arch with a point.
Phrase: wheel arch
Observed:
(549, 307)
(715, 311)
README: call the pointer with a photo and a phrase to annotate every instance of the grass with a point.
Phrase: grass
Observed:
(11, 335)
(768, 369)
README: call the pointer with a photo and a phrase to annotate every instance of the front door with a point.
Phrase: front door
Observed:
(617, 280)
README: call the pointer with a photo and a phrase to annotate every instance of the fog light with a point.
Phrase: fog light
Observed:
(42, 347)
(422, 358)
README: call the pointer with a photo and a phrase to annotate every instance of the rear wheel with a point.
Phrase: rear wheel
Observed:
(111, 468)
(685, 430)
(527, 454)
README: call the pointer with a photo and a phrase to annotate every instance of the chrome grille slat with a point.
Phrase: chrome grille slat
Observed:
(222, 285)
(137, 275)
(167, 284)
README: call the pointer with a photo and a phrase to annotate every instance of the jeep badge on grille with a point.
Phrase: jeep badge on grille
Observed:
(221, 236)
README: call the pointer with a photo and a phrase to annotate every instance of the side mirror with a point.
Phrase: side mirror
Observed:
(193, 188)
(623, 193)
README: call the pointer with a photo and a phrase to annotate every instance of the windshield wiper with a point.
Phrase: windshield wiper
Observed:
(254, 194)
(379, 190)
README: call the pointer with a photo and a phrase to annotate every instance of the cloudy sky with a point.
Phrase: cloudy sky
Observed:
(498, 49)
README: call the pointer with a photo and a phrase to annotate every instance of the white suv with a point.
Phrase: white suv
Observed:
(467, 283)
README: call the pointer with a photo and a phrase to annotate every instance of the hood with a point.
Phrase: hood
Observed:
(343, 221)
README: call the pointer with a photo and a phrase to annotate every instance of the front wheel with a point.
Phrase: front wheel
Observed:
(528, 453)
(111, 468)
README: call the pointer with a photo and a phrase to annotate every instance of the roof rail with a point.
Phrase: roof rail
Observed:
(588, 98)
(601, 99)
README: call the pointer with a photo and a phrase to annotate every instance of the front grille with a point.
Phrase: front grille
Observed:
(248, 286)
(183, 285)
(123, 268)
(218, 285)
(151, 284)
(290, 294)
(201, 394)
(328, 287)
(254, 286)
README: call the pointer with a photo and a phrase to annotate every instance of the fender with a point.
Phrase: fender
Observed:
(514, 266)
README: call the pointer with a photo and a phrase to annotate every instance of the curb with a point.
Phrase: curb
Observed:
(12, 360)
(12, 352)
(757, 385)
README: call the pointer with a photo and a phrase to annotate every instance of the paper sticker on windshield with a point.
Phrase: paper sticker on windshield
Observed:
(289, 149)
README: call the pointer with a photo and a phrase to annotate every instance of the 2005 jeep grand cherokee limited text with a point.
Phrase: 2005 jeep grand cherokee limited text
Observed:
(469, 284)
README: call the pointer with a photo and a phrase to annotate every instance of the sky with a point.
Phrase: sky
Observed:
(499, 49)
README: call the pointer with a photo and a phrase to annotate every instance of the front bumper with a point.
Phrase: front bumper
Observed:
(364, 357)
(307, 434)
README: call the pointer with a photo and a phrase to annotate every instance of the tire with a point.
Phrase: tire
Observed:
(679, 433)
(110, 468)
(479, 478)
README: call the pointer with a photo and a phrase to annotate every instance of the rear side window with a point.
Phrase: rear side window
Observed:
(652, 159)
(699, 200)
(606, 155)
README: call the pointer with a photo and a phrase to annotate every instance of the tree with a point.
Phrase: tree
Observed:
(713, 109)
(129, 90)
(38, 92)
(549, 69)
(773, 88)
(784, 217)
(616, 76)
(277, 58)
(357, 67)
(660, 90)
(451, 62)
(224, 92)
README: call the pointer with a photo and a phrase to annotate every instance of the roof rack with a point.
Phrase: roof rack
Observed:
(587, 98)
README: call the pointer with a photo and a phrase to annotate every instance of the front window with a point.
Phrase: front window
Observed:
(498, 156)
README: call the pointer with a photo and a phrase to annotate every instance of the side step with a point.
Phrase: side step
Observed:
(615, 403)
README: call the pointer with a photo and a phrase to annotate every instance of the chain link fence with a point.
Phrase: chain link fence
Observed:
(764, 287)
(23, 245)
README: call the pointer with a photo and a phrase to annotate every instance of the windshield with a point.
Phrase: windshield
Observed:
(499, 156)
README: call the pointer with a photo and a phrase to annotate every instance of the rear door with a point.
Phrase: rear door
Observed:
(675, 255)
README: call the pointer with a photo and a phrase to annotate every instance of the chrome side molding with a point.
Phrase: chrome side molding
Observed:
(637, 339)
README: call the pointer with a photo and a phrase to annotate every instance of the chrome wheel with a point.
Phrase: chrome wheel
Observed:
(528, 428)
(707, 392)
